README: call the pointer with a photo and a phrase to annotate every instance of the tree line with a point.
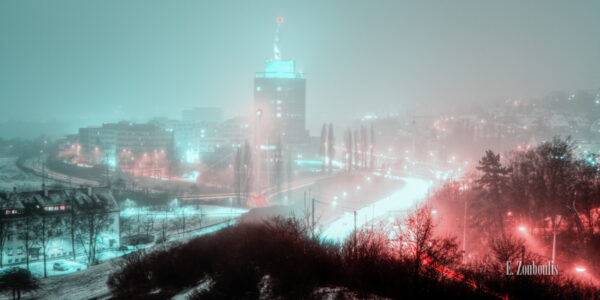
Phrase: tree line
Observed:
(358, 149)
(551, 189)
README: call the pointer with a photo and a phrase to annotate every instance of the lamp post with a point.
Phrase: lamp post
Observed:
(258, 143)
(554, 232)
(464, 187)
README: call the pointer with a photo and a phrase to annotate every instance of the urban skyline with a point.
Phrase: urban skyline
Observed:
(120, 70)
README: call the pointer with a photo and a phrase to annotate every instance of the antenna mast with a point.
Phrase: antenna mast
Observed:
(276, 49)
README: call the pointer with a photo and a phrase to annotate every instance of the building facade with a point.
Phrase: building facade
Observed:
(139, 149)
(280, 101)
(54, 222)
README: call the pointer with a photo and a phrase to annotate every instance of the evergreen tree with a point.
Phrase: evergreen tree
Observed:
(349, 150)
(323, 147)
(237, 175)
(247, 170)
(364, 143)
(330, 146)
(372, 148)
(356, 149)
(493, 184)
(18, 281)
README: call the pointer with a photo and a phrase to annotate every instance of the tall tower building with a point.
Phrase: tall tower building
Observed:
(280, 100)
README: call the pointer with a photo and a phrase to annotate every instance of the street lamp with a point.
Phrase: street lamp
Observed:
(464, 187)
(554, 232)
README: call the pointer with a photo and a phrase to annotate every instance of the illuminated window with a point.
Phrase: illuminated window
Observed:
(279, 115)
(258, 88)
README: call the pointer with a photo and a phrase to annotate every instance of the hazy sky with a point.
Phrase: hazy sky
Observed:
(107, 60)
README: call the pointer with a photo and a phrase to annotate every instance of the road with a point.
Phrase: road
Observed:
(269, 193)
(32, 166)
(413, 191)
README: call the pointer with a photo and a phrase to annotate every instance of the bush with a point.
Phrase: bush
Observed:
(282, 259)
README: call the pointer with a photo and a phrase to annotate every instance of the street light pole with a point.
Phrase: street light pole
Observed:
(464, 247)
(355, 240)
(553, 245)
(554, 232)
(313, 215)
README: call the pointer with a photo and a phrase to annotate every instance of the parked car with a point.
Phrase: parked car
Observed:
(60, 266)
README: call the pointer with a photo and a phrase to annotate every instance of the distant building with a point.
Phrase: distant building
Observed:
(97, 145)
(144, 149)
(139, 149)
(20, 210)
(280, 101)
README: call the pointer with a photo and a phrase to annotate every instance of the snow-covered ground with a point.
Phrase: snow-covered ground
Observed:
(90, 282)
(11, 176)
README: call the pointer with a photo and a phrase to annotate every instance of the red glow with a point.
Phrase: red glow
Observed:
(280, 20)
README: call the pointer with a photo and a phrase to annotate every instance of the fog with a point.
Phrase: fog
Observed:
(80, 63)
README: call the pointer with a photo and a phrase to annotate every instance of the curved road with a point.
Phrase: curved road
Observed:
(413, 191)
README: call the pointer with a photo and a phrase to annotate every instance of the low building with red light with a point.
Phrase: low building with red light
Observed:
(58, 216)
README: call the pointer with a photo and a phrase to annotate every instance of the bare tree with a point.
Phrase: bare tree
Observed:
(26, 234)
(89, 226)
(5, 231)
(416, 241)
(45, 229)
(180, 222)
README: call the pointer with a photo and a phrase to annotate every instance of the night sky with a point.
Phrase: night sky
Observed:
(89, 62)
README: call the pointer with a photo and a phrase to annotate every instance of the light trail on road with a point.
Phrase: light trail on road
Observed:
(414, 190)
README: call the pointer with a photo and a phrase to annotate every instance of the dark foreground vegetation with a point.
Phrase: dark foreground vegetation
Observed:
(281, 259)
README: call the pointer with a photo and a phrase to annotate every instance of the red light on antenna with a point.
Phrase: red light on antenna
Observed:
(280, 20)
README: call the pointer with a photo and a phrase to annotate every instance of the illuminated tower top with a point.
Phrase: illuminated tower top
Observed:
(277, 67)
(280, 99)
